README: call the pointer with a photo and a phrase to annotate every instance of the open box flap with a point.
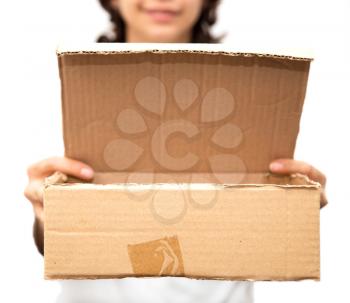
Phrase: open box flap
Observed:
(180, 109)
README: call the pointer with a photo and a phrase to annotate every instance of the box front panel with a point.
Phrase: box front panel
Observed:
(259, 233)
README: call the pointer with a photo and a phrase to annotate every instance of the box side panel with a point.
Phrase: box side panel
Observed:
(238, 234)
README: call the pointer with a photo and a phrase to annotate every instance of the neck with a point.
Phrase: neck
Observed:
(135, 37)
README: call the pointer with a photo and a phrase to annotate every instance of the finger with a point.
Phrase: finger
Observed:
(290, 166)
(34, 191)
(67, 166)
(38, 209)
(324, 200)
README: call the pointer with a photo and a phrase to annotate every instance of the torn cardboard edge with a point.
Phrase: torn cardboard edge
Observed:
(197, 181)
(201, 48)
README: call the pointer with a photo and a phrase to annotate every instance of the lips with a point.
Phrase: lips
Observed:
(161, 15)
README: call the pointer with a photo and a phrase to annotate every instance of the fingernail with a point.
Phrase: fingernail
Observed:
(87, 172)
(276, 166)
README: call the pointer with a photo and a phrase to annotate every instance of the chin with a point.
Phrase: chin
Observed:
(164, 35)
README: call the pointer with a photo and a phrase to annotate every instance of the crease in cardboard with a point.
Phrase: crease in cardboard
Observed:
(176, 186)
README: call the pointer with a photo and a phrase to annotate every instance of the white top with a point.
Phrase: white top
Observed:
(155, 290)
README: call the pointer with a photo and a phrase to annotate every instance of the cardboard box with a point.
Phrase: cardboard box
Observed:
(181, 137)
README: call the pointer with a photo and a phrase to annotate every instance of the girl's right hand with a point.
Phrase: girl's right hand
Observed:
(40, 170)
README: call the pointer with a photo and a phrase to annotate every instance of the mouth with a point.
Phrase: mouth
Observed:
(161, 15)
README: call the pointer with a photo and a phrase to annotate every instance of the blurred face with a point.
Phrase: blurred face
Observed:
(159, 20)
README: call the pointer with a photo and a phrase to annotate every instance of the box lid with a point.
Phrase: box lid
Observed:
(175, 108)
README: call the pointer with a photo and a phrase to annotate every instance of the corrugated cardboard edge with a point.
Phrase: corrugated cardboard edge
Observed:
(201, 48)
(59, 179)
(55, 178)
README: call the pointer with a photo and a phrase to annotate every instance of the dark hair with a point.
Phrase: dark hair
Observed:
(200, 33)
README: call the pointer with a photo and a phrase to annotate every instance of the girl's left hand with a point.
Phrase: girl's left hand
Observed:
(290, 166)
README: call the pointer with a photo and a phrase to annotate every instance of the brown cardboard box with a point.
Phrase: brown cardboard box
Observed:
(181, 138)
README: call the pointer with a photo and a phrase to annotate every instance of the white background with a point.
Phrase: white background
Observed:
(31, 130)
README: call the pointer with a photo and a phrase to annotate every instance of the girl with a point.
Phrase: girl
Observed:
(150, 21)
